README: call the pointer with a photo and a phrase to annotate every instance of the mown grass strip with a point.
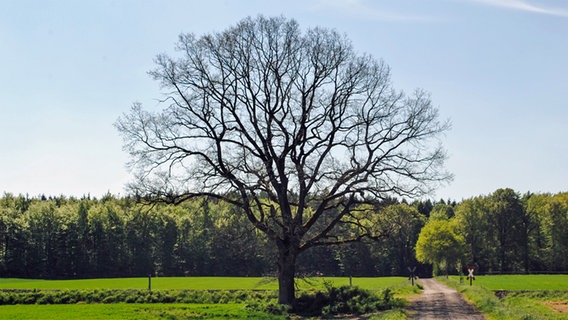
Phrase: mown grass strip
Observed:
(132, 312)
(520, 305)
(150, 312)
(521, 282)
(50, 296)
(259, 302)
(198, 283)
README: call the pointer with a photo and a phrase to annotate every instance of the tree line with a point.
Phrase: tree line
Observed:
(65, 237)
(503, 232)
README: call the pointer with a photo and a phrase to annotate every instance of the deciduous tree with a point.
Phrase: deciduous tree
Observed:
(440, 244)
(294, 127)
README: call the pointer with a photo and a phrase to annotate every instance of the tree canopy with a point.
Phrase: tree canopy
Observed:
(440, 244)
(46, 237)
(293, 127)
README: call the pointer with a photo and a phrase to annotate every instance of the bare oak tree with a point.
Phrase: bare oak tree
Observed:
(295, 128)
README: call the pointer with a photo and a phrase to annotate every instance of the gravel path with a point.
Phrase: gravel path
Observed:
(440, 302)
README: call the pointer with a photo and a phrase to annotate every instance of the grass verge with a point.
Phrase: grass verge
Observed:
(165, 303)
(132, 312)
(513, 305)
(518, 282)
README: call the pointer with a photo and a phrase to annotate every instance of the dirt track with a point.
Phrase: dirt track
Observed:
(439, 302)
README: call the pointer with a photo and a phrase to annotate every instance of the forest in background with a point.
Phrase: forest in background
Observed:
(63, 237)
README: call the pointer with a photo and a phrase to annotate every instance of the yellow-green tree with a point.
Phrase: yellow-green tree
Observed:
(440, 244)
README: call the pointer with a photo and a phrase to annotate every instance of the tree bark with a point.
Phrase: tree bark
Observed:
(286, 273)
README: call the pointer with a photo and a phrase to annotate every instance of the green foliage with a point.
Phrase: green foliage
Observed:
(132, 296)
(64, 238)
(78, 238)
(395, 314)
(535, 305)
(345, 300)
(332, 300)
(508, 233)
(512, 305)
(440, 244)
(132, 312)
(523, 282)
(200, 283)
(441, 211)
(511, 225)
(270, 307)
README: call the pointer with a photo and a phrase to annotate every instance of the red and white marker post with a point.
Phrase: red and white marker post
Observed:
(470, 276)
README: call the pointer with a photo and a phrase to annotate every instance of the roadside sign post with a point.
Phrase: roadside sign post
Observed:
(412, 276)
(470, 275)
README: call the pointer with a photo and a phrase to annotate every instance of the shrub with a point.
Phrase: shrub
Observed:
(331, 301)
(270, 307)
(343, 300)
(130, 296)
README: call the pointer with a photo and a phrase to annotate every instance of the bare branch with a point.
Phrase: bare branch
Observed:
(294, 127)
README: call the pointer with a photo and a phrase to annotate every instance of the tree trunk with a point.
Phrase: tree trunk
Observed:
(286, 274)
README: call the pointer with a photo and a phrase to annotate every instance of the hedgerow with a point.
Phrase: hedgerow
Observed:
(333, 300)
(131, 296)
(345, 300)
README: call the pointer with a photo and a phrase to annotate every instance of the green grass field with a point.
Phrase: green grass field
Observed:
(131, 311)
(528, 296)
(149, 312)
(521, 282)
(197, 283)
(175, 311)
(519, 304)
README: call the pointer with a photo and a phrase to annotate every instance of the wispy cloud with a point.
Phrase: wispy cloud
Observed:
(524, 5)
(361, 9)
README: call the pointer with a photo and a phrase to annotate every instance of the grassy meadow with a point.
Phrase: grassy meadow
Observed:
(131, 311)
(526, 297)
(174, 311)
(150, 312)
(523, 282)
(199, 283)
(520, 296)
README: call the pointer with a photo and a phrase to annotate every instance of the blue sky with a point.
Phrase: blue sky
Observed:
(498, 69)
